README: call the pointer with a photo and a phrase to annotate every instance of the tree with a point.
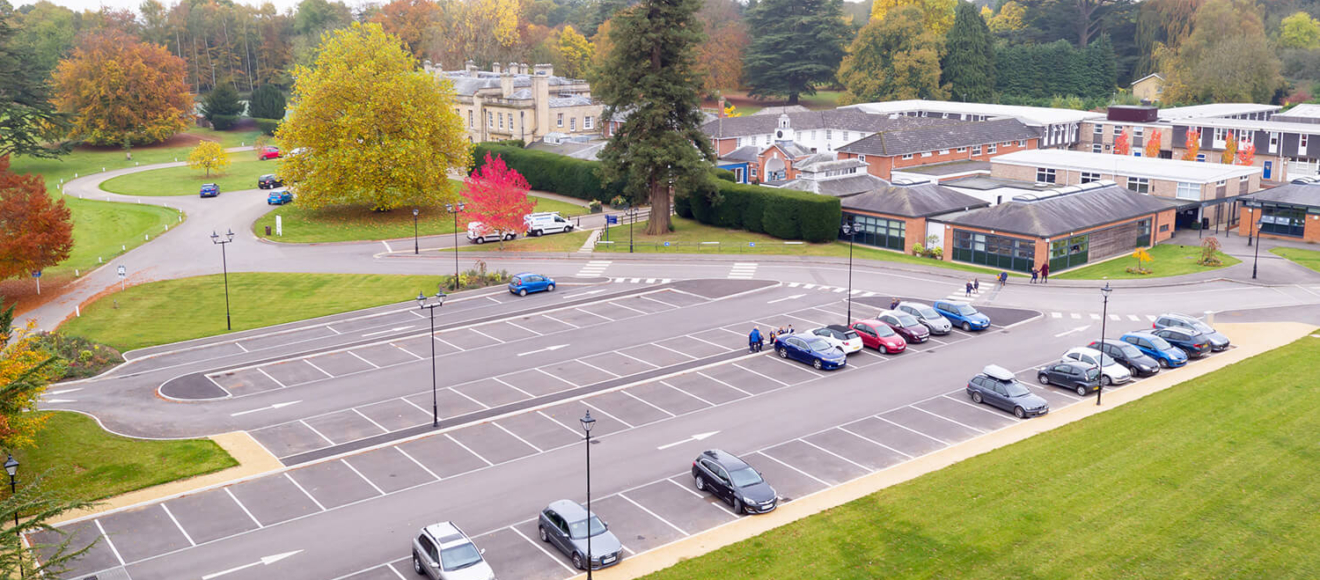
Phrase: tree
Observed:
(894, 58)
(497, 197)
(938, 15)
(410, 20)
(968, 68)
(651, 74)
(210, 156)
(1153, 143)
(574, 51)
(1225, 59)
(798, 44)
(1089, 17)
(267, 102)
(1247, 154)
(604, 46)
(25, 370)
(1142, 257)
(1230, 150)
(36, 231)
(376, 129)
(1123, 143)
(120, 90)
(1191, 145)
(38, 505)
(1299, 30)
(1011, 18)
(27, 118)
(221, 106)
(720, 57)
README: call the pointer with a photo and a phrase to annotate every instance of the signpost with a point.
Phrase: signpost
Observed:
(37, 274)
(279, 225)
(123, 273)
(610, 219)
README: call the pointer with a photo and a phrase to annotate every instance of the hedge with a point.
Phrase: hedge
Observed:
(267, 126)
(224, 122)
(552, 172)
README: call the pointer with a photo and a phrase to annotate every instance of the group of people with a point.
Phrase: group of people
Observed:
(755, 342)
(1043, 272)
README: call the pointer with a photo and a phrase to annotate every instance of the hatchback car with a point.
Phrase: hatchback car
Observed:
(906, 325)
(1128, 355)
(1157, 348)
(527, 283)
(1218, 341)
(996, 386)
(962, 315)
(567, 525)
(269, 181)
(443, 552)
(268, 152)
(927, 316)
(879, 336)
(279, 198)
(1080, 377)
(1111, 372)
(210, 190)
(812, 350)
(1195, 345)
(840, 336)
(731, 479)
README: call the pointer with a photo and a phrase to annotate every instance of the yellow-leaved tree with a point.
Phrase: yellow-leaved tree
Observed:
(575, 52)
(210, 156)
(367, 126)
(937, 14)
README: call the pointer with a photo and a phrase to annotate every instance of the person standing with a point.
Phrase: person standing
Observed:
(1045, 273)
(1003, 278)
(754, 340)
(1034, 274)
(968, 294)
(976, 285)
(893, 304)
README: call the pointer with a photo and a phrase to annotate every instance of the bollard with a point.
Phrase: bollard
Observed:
(102, 170)
(1210, 317)
(146, 237)
(123, 247)
(77, 311)
(98, 260)
(75, 272)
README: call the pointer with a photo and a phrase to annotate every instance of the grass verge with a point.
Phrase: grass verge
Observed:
(570, 242)
(1211, 479)
(1308, 258)
(242, 174)
(1166, 260)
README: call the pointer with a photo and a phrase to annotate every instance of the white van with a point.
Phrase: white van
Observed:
(479, 233)
(541, 223)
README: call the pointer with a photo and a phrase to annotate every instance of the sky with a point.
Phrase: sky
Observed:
(80, 5)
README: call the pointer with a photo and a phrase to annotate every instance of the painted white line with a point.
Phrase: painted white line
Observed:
(523, 328)
(719, 504)
(565, 323)
(760, 375)
(380, 332)
(1114, 317)
(378, 425)
(486, 335)
(449, 344)
(906, 428)
(981, 408)
(648, 363)
(240, 346)
(510, 385)
(659, 301)
(300, 488)
(794, 284)
(688, 394)
(1150, 318)
(654, 515)
(263, 371)
(799, 367)
(555, 377)
(492, 299)
(771, 458)
(1134, 318)
(332, 329)
(598, 409)
(566, 427)
(1056, 315)
(396, 571)
(947, 419)
(707, 341)
(673, 351)
(864, 438)
(313, 365)
(244, 508)
(415, 405)
(544, 551)
(515, 436)
(611, 373)
(647, 403)
(1095, 316)
(318, 433)
(388, 249)
(176, 524)
(419, 464)
(1075, 316)
(355, 355)
(417, 356)
(465, 448)
(863, 467)
(364, 478)
(636, 280)
(594, 314)
(461, 394)
(725, 384)
(616, 303)
(109, 543)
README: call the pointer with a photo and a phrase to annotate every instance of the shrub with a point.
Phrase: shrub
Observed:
(936, 253)
(617, 202)
(683, 206)
(268, 126)
(512, 143)
(918, 249)
(267, 102)
(594, 206)
(224, 122)
(82, 358)
(726, 175)
(1210, 253)
(551, 172)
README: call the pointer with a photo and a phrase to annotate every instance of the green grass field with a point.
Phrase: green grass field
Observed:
(570, 242)
(1166, 260)
(241, 174)
(88, 463)
(1308, 258)
(1214, 478)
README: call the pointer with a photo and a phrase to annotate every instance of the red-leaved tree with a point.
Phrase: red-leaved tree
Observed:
(1192, 145)
(1247, 154)
(497, 197)
(35, 231)
(1153, 143)
(1122, 143)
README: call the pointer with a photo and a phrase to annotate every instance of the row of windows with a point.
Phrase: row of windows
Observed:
(810, 136)
(990, 149)
(1283, 220)
(494, 120)
(881, 232)
(994, 251)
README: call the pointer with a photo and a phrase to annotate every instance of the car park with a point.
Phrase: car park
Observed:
(962, 315)
(840, 336)
(1195, 345)
(997, 387)
(731, 479)
(210, 190)
(812, 350)
(1111, 372)
(567, 525)
(905, 325)
(268, 152)
(927, 316)
(269, 181)
(528, 283)
(279, 198)
(479, 233)
(879, 336)
(1157, 348)
(538, 224)
(1128, 355)
(443, 552)
(1080, 377)
(1218, 341)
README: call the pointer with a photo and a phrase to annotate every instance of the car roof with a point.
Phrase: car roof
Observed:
(208, 185)
(914, 304)
(1084, 350)
(838, 328)
(447, 534)
(1179, 330)
(951, 302)
(521, 274)
(724, 458)
(1180, 316)
(569, 510)
(998, 373)
(1076, 363)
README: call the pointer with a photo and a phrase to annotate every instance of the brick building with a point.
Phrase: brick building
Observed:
(1287, 212)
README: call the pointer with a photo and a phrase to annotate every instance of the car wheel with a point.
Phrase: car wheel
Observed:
(976, 398)
(738, 507)
(1019, 413)
(1106, 381)
(1044, 380)
(1164, 363)
(510, 236)
(480, 239)
(550, 288)
(882, 348)
(522, 292)
(544, 536)
(816, 363)
(417, 565)
(783, 352)
(568, 229)
(536, 233)
(577, 561)
(701, 483)
(1082, 390)
(967, 327)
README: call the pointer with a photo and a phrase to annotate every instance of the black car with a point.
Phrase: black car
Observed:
(269, 181)
(1194, 344)
(1128, 356)
(996, 386)
(1077, 376)
(1194, 325)
(731, 479)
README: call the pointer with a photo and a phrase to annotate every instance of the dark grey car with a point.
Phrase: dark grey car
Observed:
(1128, 356)
(731, 479)
(564, 525)
(997, 387)
(927, 316)
(1218, 341)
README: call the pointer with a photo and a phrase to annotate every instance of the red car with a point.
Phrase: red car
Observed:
(879, 336)
(268, 152)
(905, 325)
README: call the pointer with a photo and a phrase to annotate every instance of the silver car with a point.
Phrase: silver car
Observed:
(567, 526)
(443, 552)
(927, 316)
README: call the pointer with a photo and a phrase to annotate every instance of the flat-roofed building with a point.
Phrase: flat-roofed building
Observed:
(1287, 212)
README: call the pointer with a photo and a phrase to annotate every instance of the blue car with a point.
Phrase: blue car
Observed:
(962, 315)
(210, 190)
(811, 350)
(527, 283)
(279, 198)
(1157, 348)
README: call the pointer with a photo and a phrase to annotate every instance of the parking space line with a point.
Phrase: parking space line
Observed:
(648, 403)
(313, 365)
(515, 436)
(906, 428)
(378, 425)
(176, 524)
(611, 373)
(332, 329)
(614, 302)
(566, 427)
(674, 351)
(419, 407)
(760, 375)
(544, 551)
(465, 448)
(486, 335)
(811, 322)
(318, 433)
(1059, 392)
(460, 393)
(653, 514)
(396, 571)
(523, 328)
(364, 478)
(946, 418)
(113, 550)
(653, 365)
(419, 357)
(771, 458)
(560, 321)
(419, 464)
(594, 314)
(625, 423)
(507, 384)
(808, 369)
(240, 346)
(724, 383)
(492, 299)
(658, 301)
(719, 504)
(864, 468)
(243, 507)
(551, 375)
(864, 438)
(688, 394)
(933, 339)
(706, 341)
(300, 488)
(981, 408)
(449, 344)
(734, 332)
(355, 355)
(874, 354)
(262, 371)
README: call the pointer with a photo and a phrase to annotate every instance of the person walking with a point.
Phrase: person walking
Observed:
(754, 340)
(893, 304)
(1003, 278)
(976, 285)
(1045, 273)
(1034, 273)
(968, 294)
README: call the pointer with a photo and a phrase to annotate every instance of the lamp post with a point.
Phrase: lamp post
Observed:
(632, 217)
(1103, 318)
(431, 306)
(587, 424)
(455, 210)
(415, 249)
(849, 229)
(11, 467)
(224, 262)
(1255, 225)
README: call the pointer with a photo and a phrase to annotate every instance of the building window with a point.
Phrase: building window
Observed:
(861, 158)
(1118, 130)
(829, 134)
(1139, 184)
(962, 149)
(753, 172)
(976, 150)
(1284, 220)
(501, 117)
(1099, 129)
(559, 121)
(1000, 252)
(874, 231)
(847, 136)
(1143, 233)
(1138, 131)
(1097, 148)
(1221, 183)
(1088, 177)
(1022, 142)
(926, 153)
(1044, 175)
(907, 156)
(767, 139)
(1188, 190)
(586, 122)
(490, 120)
(990, 149)
(1200, 157)
(1274, 142)
(944, 151)
(1302, 144)
(813, 134)
(1069, 252)
(1245, 137)
(572, 124)
(470, 125)
(737, 144)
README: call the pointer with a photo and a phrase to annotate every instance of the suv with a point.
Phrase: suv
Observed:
(731, 479)
(443, 552)
(269, 181)
(478, 233)
(927, 316)
(963, 315)
(1195, 325)
(1080, 377)
(1111, 372)
(1128, 355)
(997, 386)
(546, 223)
(210, 190)
(1194, 344)
(564, 525)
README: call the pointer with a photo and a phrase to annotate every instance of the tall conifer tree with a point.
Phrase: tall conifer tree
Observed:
(796, 44)
(969, 63)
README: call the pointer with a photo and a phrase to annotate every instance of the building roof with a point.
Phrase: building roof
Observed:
(1302, 111)
(1062, 211)
(571, 101)
(1034, 116)
(465, 84)
(1304, 192)
(1152, 75)
(1148, 167)
(1250, 125)
(944, 136)
(844, 120)
(746, 153)
(837, 186)
(950, 168)
(776, 111)
(575, 147)
(1213, 110)
(922, 200)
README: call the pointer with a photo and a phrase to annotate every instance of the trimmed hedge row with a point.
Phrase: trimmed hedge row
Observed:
(552, 172)
(267, 126)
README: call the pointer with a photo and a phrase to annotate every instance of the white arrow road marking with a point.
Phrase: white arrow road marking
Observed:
(793, 297)
(1078, 329)
(697, 437)
(275, 406)
(64, 391)
(61, 401)
(548, 348)
(264, 561)
(387, 331)
(567, 296)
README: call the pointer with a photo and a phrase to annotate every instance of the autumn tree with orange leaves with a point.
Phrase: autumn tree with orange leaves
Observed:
(719, 57)
(1246, 154)
(35, 230)
(1192, 145)
(1153, 143)
(409, 20)
(1122, 143)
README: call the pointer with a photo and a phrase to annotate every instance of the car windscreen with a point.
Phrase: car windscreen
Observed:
(850, 335)
(1202, 327)
(1015, 389)
(459, 557)
(928, 313)
(1159, 343)
(1092, 374)
(965, 309)
(882, 330)
(819, 345)
(745, 477)
(905, 320)
(578, 529)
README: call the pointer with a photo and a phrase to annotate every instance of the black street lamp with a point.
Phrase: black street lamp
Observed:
(1104, 317)
(587, 424)
(455, 210)
(1255, 261)
(415, 249)
(431, 306)
(11, 467)
(224, 261)
(632, 217)
(849, 229)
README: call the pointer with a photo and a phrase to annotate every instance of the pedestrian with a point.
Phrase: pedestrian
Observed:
(754, 340)
(1035, 272)
(772, 338)
(1045, 273)
(976, 285)
(968, 294)
(790, 329)
(782, 331)
(1003, 278)
(893, 304)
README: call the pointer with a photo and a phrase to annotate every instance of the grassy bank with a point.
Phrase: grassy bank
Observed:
(241, 174)
(1166, 260)
(1308, 258)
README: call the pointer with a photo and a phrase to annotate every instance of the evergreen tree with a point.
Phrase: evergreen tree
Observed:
(651, 75)
(796, 44)
(27, 117)
(221, 106)
(969, 63)
(267, 102)
(1101, 67)
(892, 59)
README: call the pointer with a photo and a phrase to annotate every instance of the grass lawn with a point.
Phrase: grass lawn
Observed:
(174, 310)
(89, 463)
(241, 174)
(570, 242)
(1166, 260)
(1214, 478)
(356, 223)
(1308, 258)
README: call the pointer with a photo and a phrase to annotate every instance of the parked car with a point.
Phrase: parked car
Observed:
(279, 198)
(927, 316)
(962, 315)
(1195, 345)
(1080, 377)
(1128, 355)
(443, 552)
(566, 526)
(1111, 372)
(731, 479)
(542, 223)
(527, 283)
(905, 325)
(269, 181)
(840, 336)
(1157, 348)
(812, 350)
(879, 336)
(1218, 341)
(268, 152)
(996, 386)
(210, 190)
(479, 233)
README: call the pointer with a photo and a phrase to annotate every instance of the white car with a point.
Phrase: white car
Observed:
(542, 223)
(1112, 373)
(840, 337)
(443, 552)
(478, 233)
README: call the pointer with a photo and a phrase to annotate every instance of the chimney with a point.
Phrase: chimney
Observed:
(426, 66)
(544, 70)
(513, 68)
(495, 67)
(471, 68)
(506, 83)
(541, 101)
(522, 69)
